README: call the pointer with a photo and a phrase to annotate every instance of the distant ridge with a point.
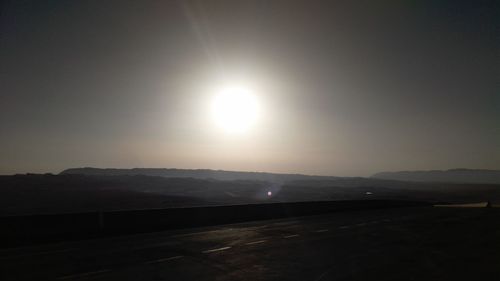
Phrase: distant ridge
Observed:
(451, 176)
(195, 173)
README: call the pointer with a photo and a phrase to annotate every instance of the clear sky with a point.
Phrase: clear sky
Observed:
(344, 88)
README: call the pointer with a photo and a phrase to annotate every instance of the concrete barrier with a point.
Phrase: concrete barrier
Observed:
(23, 230)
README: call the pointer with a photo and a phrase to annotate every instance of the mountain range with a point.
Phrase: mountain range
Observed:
(450, 176)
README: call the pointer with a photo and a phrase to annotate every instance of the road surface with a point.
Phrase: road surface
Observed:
(393, 244)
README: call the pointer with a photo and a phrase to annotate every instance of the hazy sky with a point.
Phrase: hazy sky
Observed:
(345, 88)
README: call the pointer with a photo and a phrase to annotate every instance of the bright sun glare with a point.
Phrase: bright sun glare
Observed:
(235, 109)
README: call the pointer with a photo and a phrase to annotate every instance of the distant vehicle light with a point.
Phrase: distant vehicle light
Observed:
(269, 193)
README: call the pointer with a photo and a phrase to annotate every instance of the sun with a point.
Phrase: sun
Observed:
(235, 109)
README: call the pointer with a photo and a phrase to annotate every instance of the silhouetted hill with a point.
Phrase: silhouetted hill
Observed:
(34, 193)
(194, 173)
(452, 176)
(42, 194)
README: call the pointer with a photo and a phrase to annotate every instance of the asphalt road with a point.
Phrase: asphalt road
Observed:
(393, 244)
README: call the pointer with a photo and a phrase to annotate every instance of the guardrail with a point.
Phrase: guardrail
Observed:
(31, 229)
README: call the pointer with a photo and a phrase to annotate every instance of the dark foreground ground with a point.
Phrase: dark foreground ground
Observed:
(393, 244)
